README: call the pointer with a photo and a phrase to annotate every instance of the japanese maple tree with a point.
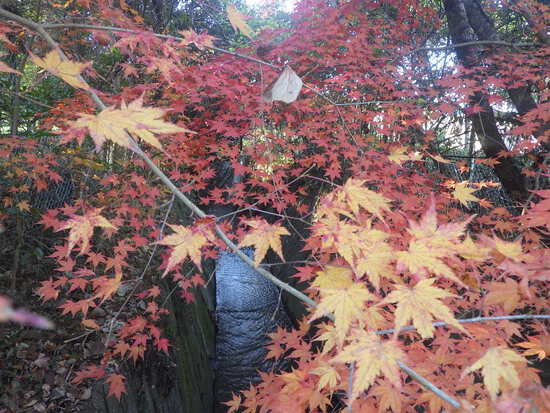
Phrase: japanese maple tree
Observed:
(421, 291)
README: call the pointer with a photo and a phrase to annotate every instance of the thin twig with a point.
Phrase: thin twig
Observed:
(161, 36)
(476, 43)
(427, 384)
(473, 320)
(36, 102)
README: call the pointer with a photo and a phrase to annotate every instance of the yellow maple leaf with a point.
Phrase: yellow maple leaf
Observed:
(23, 205)
(375, 255)
(113, 124)
(372, 357)
(67, 70)
(398, 155)
(365, 249)
(421, 304)
(341, 296)
(356, 195)
(464, 194)
(421, 257)
(263, 236)
(328, 337)
(82, 228)
(187, 242)
(472, 251)
(438, 158)
(237, 20)
(511, 250)
(328, 376)
(498, 364)
(537, 346)
(333, 277)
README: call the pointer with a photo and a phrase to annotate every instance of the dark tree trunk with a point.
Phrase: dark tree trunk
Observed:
(484, 122)
(484, 28)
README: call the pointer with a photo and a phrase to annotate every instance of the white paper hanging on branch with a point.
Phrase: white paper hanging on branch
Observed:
(286, 88)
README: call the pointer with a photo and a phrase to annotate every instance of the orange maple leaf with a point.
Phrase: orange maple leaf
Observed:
(82, 228)
(113, 124)
(200, 40)
(107, 287)
(90, 324)
(389, 396)
(263, 236)
(504, 293)
(234, 404)
(48, 290)
(372, 357)
(421, 304)
(464, 194)
(65, 69)
(498, 364)
(537, 346)
(237, 20)
(186, 242)
(116, 385)
(340, 296)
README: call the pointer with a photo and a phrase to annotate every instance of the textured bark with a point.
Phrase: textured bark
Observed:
(521, 96)
(484, 122)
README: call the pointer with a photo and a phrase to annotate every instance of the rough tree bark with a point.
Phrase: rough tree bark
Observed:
(484, 122)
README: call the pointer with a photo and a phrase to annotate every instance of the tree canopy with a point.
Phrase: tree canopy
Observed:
(401, 144)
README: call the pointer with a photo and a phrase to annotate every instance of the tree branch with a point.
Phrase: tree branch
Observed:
(476, 43)
(473, 320)
(161, 36)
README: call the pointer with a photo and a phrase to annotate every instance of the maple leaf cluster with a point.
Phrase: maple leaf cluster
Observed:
(396, 262)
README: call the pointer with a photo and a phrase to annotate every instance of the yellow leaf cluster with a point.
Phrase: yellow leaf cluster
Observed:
(372, 357)
(399, 155)
(431, 244)
(342, 297)
(115, 124)
(365, 249)
(348, 200)
(328, 376)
